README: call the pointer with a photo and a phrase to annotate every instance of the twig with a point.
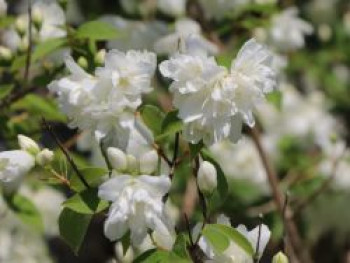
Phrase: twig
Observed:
(162, 154)
(187, 222)
(30, 45)
(257, 255)
(312, 197)
(66, 153)
(16, 96)
(297, 251)
(105, 157)
(176, 150)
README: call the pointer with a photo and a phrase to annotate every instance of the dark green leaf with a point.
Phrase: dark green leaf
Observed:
(195, 149)
(171, 125)
(86, 202)
(180, 246)
(73, 227)
(5, 90)
(25, 210)
(96, 30)
(153, 118)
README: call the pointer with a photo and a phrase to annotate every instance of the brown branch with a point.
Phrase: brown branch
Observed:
(66, 153)
(296, 249)
(30, 45)
(174, 160)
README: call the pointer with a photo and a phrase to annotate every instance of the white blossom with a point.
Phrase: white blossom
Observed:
(117, 158)
(214, 102)
(187, 38)
(172, 7)
(44, 157)
(3, 7)
(137, 205)
(28, 144)
(207, 177)
(14, 165)
(288, 30)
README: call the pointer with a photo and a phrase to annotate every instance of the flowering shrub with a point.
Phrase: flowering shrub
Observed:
(192, 130)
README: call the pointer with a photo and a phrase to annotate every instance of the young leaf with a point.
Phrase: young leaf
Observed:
(231, 234)
(25, 210)
(5, 90)
(153, 118)
(170, 125)
(96, 30)
(73, 227)
(86, 202)
(47, 47)
(218, 240)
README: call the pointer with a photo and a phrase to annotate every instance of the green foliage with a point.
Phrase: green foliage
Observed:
(170, 125)
(93, 175)
(159, 256)
(25, 210)
(73, 227)
(86, 202)
(96, 30)
(5, 90)
(220, 236)
(153, 118)
(275, 98)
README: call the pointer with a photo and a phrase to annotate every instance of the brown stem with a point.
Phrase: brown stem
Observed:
(66, 153)
(30, 44)
(296, 249)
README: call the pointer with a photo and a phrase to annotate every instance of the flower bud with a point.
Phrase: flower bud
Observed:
(37, 18)
(117, 158)
(207, 177)
(280, 258)
(100, 57)
(21, 25)
(5, 54)
(28, 145)
(23, 45)
(132, 163)
(45, 157)
(82, 62)
(149, 162)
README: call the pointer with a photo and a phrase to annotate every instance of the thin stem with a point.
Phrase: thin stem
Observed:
(187, 222)
(297, 251)
(30, 44)
(176, 151)
(66, 153)
(162, 154)
(105, 157)
(257, 255)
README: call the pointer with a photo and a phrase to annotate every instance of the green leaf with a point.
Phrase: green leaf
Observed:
(96, 30)
(5, 90)
(275, 98)
(218, 235)
(6, 21)
(18, 62)
(195, 149)
(25, 210)
(47, 47)
(222, 182)
(86, 202)
(73, 227)
(159, 256)
(170, 125)
(180, 246)
(37, 105)
(93, 175)
(153, 118)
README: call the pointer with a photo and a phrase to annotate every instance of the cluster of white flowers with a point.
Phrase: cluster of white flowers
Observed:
(106, 102)
(214, 102)
(15, 164)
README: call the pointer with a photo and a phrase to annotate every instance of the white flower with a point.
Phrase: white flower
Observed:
(148, 162)
(136, 205)
(172, 7)
(14, 165)
(288, 31)
(27, 144)
(44, 157)
(187, 38)
(117, 158)
(214, 102)
(207, 177)
(280, 257)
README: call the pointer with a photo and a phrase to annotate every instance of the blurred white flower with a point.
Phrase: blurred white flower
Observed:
(44, 157)
(187, 38)
(214, 102)
(142, 7)
(137, 205)
(288, 30)
(27, 144)
(3, 7)
(172, 7)
(138, 35)
(14, 165)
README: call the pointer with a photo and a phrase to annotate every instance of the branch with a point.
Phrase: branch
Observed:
(66, 153)
(296, 249)
(176, 151)
(30, 44)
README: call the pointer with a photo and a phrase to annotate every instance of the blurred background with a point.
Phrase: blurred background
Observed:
(304, 126)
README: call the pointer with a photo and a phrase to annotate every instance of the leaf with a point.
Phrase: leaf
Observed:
(159, 256)
(86, 202)
(6, 21)
(213, 230)
(73, 227)
(40, 106)
(153, 118)
(275, 98)
(170, 125)
(222, 182)
(195, 149)
(25, 210)
(96, 30)
(180, 246)
(219, 241)
(5, 90)
(93, 175)
(47, 47)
